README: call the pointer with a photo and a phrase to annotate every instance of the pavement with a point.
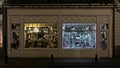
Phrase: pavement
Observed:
(60, 63)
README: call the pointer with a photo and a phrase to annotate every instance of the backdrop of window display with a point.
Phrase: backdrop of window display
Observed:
(78, 35)
(42, 35)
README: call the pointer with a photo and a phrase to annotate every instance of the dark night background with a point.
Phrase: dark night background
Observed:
(58, 1)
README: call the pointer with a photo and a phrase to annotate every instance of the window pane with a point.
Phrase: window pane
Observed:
(78, 35)
(15, 26)
(15, 40)
(104, 26)
(104, 40)
(38, 35)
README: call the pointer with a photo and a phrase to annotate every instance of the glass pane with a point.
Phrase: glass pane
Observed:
(38, 35)
(78, 35)
(15, 40)
(104, 40)
(104, 26)
(15, 26)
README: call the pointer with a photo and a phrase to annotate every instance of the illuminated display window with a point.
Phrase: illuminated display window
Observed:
(78, 35)
(40, 35)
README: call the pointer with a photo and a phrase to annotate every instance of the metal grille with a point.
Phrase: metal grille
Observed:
(40, 19)
(105, 19)
(15, 19)
(82, 19)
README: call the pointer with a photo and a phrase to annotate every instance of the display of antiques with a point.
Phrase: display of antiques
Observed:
(79, 35)
(41, 37)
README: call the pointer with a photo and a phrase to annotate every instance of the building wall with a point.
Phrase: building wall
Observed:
(117, 34)
(117, 29)
(1, 36)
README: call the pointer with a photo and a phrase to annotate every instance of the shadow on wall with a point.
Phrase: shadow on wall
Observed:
(117, 51)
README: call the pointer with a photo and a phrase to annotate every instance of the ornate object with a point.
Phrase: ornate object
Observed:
(79, 35)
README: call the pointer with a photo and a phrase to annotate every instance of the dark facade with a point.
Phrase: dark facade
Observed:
(59, 1)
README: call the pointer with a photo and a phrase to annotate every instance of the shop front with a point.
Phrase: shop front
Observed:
(63, 33)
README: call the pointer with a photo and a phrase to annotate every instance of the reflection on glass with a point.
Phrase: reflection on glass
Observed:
(104, 40)
(41, 35)
(15, 26)
(78, 35)
(104, 26)
(15, 40)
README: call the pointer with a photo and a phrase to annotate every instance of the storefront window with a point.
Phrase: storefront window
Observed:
(78, 35)
(15, 40)
(15, 26)
(104, 32)
(104, 40)
(15, 35)
(104, 26)
(40, 35)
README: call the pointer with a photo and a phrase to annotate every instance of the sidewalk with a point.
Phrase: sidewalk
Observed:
(61, 63)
